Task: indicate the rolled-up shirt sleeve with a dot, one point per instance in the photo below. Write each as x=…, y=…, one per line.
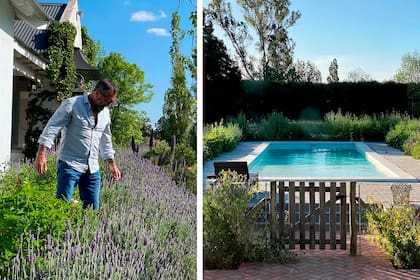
x=105, y=145
x=59, y=119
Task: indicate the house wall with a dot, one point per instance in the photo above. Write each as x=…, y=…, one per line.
x=6, y=79
x=71, y=14
x=20, y=104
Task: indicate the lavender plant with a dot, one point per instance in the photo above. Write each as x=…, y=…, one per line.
x=145, y=229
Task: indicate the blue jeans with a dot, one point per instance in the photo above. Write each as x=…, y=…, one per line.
x=89, y=185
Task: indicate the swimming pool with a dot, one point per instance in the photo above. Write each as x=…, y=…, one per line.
x=340, y=160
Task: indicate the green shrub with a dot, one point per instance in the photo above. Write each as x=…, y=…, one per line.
x=28, y=205
x=218, y=138
x=185, y=155
x=412, y=145
x=397, y=136
x=160, y=153
x=399, y=234
x=224, y=225
x=229, y=236
x=242, y=123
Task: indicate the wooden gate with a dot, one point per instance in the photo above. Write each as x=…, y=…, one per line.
x=312, y=213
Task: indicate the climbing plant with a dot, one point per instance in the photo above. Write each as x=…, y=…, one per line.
x=37, y=116
x=61, y=72
x=91, y=49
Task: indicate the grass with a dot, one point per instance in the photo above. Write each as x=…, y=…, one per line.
x=317, y=129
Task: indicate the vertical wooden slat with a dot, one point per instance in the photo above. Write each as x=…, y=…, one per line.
x=322, y=215
x=353, y=227
x=302, y=214
x=312, y=215
x=343, y=216
x=292, y=214
x=281, y=208
x=332, y=216
x=273, y=210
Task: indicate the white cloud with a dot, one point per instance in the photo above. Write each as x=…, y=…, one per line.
x=143, y=16
x=158, y=32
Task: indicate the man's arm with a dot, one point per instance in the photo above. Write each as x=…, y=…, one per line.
x=107, y=152
x=58, y=120
x=40, y=162
x=113, y=168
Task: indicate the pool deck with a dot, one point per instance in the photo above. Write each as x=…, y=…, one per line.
x=378, y=191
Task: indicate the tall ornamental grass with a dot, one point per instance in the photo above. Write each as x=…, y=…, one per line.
x=349, y=127
x=274, y=126
x=145, y=229
x=277, y=127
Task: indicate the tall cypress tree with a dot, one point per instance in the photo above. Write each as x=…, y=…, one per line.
x=177, y=108
x=333, y=77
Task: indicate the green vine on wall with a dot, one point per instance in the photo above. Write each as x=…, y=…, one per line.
x=36, y=114
x=61, y=72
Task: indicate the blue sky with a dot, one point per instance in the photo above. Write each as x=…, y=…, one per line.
x=139, y=30
x=371, y=35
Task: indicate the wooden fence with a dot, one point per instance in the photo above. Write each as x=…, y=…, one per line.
x=303, y=215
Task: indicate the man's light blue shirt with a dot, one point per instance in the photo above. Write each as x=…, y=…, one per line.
x=81, y=140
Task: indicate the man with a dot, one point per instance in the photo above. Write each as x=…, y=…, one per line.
x=84, y=123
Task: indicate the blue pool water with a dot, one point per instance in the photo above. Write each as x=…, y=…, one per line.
x=314, y=160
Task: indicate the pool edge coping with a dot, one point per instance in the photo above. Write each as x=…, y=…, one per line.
x=257, y=147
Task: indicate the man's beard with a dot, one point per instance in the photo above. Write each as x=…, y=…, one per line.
x=99, y=108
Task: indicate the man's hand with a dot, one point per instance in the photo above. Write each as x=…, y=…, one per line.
x=115, y=172
x=40, y=162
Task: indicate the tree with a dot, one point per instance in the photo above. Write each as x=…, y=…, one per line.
x=270, y=20
x=410, y=68
x=222, y=78
x=132, y=89
x=306, y=72
x=358, y=75
x=333, y=77
x=177, y=109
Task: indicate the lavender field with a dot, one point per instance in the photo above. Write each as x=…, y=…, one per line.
x=145, y=229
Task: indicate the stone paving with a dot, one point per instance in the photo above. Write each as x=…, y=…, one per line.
x=370, y=263
x=369, y=191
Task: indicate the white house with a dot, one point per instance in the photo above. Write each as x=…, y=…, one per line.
x=23, y=31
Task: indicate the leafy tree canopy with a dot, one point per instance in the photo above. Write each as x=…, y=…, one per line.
x=262, y=30
x=132, y=89
x=222, y=79
x=410, y=68
x=306, y=72
x=358, y=75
